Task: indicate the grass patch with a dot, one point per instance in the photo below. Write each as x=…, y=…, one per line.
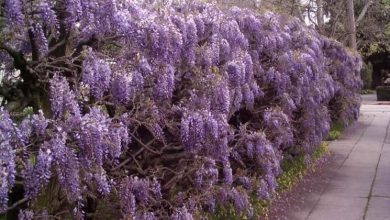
x=260, y=208
x=335, y=131
x=295, y=169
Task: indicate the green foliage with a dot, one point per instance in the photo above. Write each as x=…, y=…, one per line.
x=373, y=31
x=366, y=75
x=260, y=208
x=226, y=212
x=25, y=113
x=320, y=152
x=387, y=29
x=293, y=170
x=386, y=3
x=335, y=131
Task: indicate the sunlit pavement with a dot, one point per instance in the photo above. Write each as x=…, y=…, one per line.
x=357, y=185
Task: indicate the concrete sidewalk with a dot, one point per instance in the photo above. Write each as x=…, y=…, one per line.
x=357, y=185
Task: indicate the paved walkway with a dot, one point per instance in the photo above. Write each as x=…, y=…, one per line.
x=357, y=183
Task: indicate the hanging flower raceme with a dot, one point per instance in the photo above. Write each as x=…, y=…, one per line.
x=96, y=73
x=14, y=13
x=7, y=157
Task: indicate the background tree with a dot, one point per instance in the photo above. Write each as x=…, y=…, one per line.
x=350, y=24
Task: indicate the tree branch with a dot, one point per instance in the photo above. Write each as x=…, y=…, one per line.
x=16, y=204
x=363, y=12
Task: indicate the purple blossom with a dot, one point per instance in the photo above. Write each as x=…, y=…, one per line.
x=262, y=190
x=240, y=200
x=39, y=123
x=238, y=98
x=231, y=32
x=271, y=181
x=165, y=84
x=121, y=21
x=94, y=128
x=200, y=26
x=157, y=131
x=40, y=40
x=228, y=174
x=250, y=149
x=121, y=89
x=192, y=131
x=211, y=127
x=47, y=15
x=26, y=215
x=137, y=81
x=144, y=67
x=248, y=96
x=67, y=166
x=24, y=130
x=207, y=175
x=127, y=197
x=225, y=50
x=181, y=214
x=96, y=73
x=156, y=188
x=37, y=176
x=210, y=55
x=7, y=157
x=74, y=9
x=119, y=139
x=102, y=182
x=14, y=14
x=145, y=216
x=221, y=98
x=235, y=72
x=62, y=98
x=246, y=183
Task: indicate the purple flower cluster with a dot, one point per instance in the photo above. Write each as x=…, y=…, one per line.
x=7, y=157
x=37, y=175
x=14, y=13
x=96, y=74
x=62, y=98
x=136, y=192
x=40, y=40
x=39, y=123
x=47, y=15
x=74, y=9
x=211, y=100
x=67, y=167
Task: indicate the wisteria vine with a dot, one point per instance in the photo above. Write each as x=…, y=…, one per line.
x=168, y=112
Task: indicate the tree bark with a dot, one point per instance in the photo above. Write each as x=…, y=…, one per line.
x=350, y=26
x=320, y=16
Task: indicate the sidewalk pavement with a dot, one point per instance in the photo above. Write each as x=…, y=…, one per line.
x=357, y=185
